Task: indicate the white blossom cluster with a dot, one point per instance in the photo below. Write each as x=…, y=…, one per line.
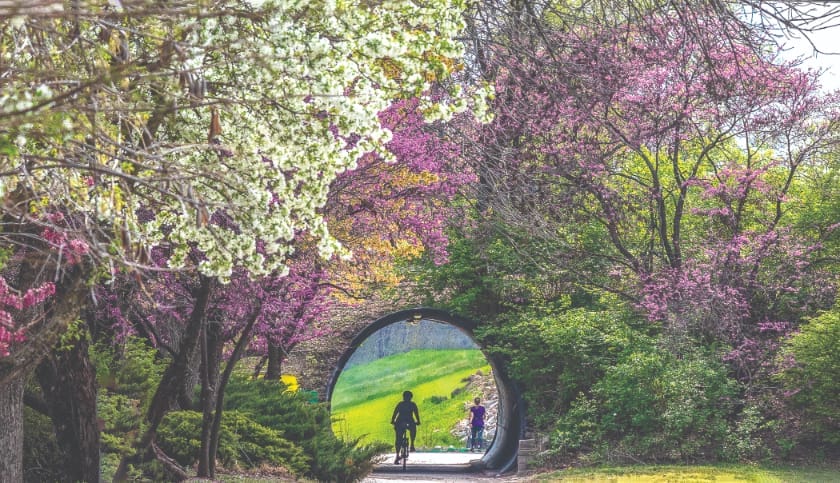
x=297, y=86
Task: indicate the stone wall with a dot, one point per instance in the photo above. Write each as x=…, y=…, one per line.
x=313, y=362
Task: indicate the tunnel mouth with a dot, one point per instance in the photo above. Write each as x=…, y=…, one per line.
x=510, y=424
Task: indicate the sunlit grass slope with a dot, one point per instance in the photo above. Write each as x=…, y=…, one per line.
x=723, y=473
x=364, y=396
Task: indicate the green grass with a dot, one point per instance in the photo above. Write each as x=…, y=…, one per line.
x=364, y=396
x=719, y=474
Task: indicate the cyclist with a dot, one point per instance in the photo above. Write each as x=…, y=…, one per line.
x=406, y=415
x=476, y=424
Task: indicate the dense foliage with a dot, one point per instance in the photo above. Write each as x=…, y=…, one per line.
x=644, y=217
x=243, y=443
x=809, y=368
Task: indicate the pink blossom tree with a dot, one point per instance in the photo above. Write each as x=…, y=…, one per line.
x=658, y=159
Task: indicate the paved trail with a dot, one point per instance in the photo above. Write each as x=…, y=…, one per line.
x=439, y=478
x=436, y=477
x=437, y=468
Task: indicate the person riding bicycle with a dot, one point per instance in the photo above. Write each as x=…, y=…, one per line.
x=406, y=415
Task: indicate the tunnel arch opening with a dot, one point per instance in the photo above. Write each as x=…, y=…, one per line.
x=501, y=456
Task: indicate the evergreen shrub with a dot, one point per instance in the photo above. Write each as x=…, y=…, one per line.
x=308, y=425
x=127, y=376
x=42, y=458
x=242, y=442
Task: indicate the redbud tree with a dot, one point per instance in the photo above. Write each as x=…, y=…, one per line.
x=662, y=160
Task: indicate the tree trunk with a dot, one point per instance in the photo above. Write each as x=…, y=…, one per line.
x=186, y=396
x=275, y=359
x=68, y=380
x=258, y=367
x=238, y=350
x=167, y=391
x=16, y=368
x=11, y=436
x=211, y=356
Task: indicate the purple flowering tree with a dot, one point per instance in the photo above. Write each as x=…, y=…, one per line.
x=660, y=160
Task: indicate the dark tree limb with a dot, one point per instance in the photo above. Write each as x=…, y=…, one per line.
x=170, y=465
x=167, y=392
x=241, y=345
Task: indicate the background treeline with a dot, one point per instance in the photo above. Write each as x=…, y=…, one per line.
x=406, y=336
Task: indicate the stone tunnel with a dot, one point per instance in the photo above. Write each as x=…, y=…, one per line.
x=322, y=366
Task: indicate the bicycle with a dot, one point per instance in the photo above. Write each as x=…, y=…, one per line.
x=402, y=450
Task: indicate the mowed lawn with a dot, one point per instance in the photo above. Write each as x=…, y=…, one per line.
x=364, y=396
x=722, y=474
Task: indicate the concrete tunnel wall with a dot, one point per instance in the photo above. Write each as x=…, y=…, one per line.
x=502, y=454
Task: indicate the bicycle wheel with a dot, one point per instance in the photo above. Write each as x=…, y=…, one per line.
x=404, y=449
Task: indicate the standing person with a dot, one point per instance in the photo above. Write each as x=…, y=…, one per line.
x=407, y=415
x=476, y=424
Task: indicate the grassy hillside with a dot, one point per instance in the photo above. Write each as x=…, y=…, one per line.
x=364, y=396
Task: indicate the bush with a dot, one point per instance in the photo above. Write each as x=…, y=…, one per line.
x=305, y=423
x=335, y=460
x=745, y=441
x=812, y=361
x=42, y=458
x=652, y=406
x=242, y=442
x=561, y=353
x=127, y=377
x=133, y=369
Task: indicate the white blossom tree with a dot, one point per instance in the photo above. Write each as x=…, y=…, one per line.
x=212, y=127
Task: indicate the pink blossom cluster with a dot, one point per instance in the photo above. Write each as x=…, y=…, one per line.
x=72, y=249
x=292, y=308
x=9, y=332
x=755, y=351
x=7, y=338
x=694, y=297
x=288, y=309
